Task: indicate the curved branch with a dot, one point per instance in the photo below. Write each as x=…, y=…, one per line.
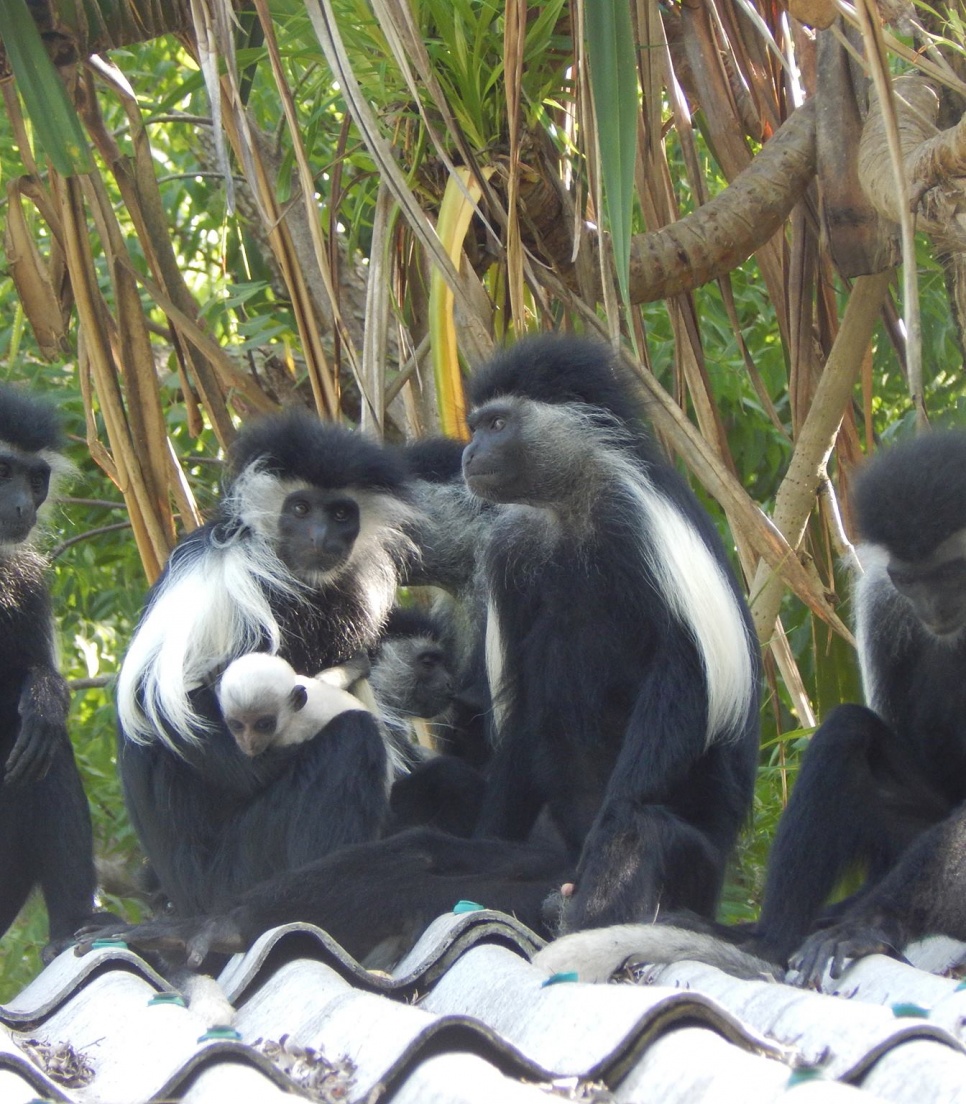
x=934, y=163
x=716, y=238
x=703, y=246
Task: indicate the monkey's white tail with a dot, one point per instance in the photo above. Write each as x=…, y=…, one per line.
x=596, y=954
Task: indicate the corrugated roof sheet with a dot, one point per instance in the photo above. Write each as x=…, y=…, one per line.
x=466, y=1018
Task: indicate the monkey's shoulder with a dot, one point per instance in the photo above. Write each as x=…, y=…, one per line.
x=23, y=582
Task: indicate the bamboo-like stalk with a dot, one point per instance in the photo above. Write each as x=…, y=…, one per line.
x=799, y=489
x=149, y=530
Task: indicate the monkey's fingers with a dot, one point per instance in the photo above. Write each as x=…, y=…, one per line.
x=31, y=756
x=216, y=935
x=835, y=946
x=187, y=942
x=153, y=935
x=97, y=922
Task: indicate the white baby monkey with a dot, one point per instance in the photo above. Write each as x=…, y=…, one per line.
x=265, y=704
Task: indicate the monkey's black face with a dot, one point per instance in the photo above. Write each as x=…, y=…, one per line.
x=24, y=482
x=935, y=586
x=432, y=682
x=496, y=462
x=316, y=530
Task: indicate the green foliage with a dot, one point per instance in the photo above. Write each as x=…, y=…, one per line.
x=58, y=131
x=98, y=586
x=613, y=76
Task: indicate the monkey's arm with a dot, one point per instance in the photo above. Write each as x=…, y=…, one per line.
x=214, y=758
x=924, y=894
x=342, y=677
x=44, y=697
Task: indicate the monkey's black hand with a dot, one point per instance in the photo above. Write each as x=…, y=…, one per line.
x=97, y=921
x=44, y=702
x=845, y=940
x=183, y=942
x=33, y=751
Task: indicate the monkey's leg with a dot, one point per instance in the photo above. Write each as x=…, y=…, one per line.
x=368, y=896
x=924, y=893
x=17, y=871
x=639, y=862
x=64, y=846
x=858, y=802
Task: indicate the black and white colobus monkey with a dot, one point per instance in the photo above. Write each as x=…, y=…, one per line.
x=414, y=677
x=882, y=786
x=45, y=827
x=302, y=561
x=622, y=662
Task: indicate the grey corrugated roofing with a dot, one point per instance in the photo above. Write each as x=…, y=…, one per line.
x=466, y=1018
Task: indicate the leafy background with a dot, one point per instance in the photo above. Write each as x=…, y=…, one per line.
x=509, y=98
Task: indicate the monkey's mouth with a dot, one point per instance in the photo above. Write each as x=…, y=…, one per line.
x=315, y=569
x=487, y=485
x=17, y=530
x=252, y=749
x=948, y=629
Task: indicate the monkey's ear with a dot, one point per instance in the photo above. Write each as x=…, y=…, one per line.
x=298, y=698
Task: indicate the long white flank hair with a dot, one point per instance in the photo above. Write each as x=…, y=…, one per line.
x=698, y=593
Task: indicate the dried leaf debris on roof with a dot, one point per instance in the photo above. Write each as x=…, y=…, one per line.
x=465, y=1019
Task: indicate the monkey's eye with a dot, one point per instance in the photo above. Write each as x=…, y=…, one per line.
x=300, y=507
x=341, y=512
x=498, y=424
x=265, y=724
x=39, y=481
x=234, y=726
x=429, y=661
x=6, y=469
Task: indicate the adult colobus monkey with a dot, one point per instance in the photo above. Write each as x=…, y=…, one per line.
x=45, y=827
x=622, y=662
x=301, y=561
x=882, y=787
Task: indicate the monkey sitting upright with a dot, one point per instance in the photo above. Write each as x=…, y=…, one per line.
x=301, y=560
x=45, y=825
x=882, y=786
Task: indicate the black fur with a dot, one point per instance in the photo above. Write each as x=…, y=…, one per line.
x=881, y=786
x=413, y=675
x=604, y=698
x=556, y=369
x=30, y=425
x=610, y=719
x=212, y=821
x=435, y=459
x=45, y=827
x=374, y=899
x=454, y=530
x=914, y=495
x=290, y=445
